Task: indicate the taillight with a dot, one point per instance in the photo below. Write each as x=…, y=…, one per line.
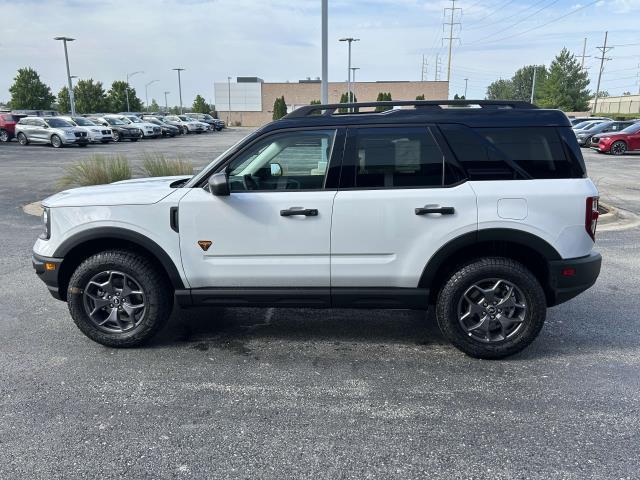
x=591, y=217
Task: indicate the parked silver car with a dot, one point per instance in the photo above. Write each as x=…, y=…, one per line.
x=96, y=133
x=51, y=130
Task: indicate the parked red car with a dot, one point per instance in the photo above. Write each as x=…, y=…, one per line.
x=619, y=143
x=8, y=126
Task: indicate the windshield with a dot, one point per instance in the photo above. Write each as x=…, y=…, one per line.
x=134, y=120
x=581, y=125
x=57, y=123
x=635, y=128
x=208, y=117
x=83, y=122
x=196, y=178
x=114, y=121
x=184, y=118
x=592, y=125
x=152, y=120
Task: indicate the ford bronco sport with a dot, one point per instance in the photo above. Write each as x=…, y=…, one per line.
x=483, y=211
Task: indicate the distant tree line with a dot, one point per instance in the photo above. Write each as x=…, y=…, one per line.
x=563, y=85
x=29, y=92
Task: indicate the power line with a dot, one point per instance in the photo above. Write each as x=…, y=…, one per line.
x=544, y=24
x=520, y=12
x=604, y=49
x=492, y=12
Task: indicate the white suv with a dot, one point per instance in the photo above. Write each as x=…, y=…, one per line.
x=484, y=213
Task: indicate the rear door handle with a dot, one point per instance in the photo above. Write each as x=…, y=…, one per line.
x=441, y=210
x=307, y=212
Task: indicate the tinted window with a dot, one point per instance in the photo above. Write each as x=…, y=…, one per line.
x=500, y=153
x=632, y=129
x=286, y=161
x=396, y=157
x=58, y=123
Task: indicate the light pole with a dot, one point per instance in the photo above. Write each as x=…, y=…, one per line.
x=466, y=81
x=533, y=83
x=324, y=87
x=66, y=58
x=146, y=93
x=129, y=75
x=350, y=40
x=229, y=96
x=166, y=104
x=179, y=69
x=353, y=76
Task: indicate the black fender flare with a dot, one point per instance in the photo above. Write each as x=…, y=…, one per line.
x=519, y=237
x=105, y=233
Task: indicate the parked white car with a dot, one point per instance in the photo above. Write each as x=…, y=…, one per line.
x=95, y=133
x=149, y=130
x=187, y=125
x=205, y=126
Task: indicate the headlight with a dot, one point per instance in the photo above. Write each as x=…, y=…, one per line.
x=46, y=224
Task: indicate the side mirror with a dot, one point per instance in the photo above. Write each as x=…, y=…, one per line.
x=45, y=126
x=276, y=169
x=219, y=184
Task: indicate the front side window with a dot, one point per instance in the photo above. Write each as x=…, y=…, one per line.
x=397, y=157
x=635, y=128
x=285, y=161
x=58, y=123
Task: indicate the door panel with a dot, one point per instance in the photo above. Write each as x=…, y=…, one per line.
x=377, y=240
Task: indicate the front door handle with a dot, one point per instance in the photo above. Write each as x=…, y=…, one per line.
x=435, y=209
x=307, y=212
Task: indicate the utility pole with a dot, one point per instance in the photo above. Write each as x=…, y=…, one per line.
x=129, y=75
x=584, y=50
x=353, y=76
x=146, y=93
x=66, y=58
x=324, y=86
x=166, y=104
x=423, y=70
x=451, y=38
x=438, y=67
x=533, y=83
x=229, y=94
x=466, y=81
x=179, y=69
x=604, y=49
x=349, y=40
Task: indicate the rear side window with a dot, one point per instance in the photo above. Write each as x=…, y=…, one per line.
x=396, y=157
x=511, y=153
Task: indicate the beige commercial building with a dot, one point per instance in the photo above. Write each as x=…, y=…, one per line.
x=625, y=104
x=252, y=100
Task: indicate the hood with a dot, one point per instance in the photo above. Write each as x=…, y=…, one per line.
x=139, y=191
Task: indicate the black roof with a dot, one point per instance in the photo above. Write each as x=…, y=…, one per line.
x=473, y=113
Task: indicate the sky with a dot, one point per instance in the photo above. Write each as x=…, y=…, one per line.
x=279, y=41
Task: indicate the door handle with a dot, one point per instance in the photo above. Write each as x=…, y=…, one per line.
x=435, y=209
x=307, y=212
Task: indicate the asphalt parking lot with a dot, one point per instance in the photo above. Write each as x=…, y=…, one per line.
x=300, y=393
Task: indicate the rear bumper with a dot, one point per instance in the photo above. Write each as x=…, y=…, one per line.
x=48, y=275
x=568, y=278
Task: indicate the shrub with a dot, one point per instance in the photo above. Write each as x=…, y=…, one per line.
x=155, y=164
x=98, y=169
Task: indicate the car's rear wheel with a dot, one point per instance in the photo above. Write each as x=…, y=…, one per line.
x=119, y=299
x=491, y=308
x=55, y=141
x=185, y=130
x=4, y=136
x=22, y=139
x=116, y=136
x=619, y=148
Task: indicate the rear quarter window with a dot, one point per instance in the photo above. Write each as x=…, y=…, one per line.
x=502, y=153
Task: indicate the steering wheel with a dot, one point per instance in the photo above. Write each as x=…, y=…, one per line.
x=249, y=182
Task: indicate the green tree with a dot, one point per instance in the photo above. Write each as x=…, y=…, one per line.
x=383, y=97
x=153, y=106
x=604, y=94
x=420, y=97
x=314, y=102
x=200, y=105
x=522, y=82
x=29, y=92
x=566, y=84
x=279, y=108
x=117, y=98
x=500, y=90
x=89, y=96
x=344, y=98
x=63, y=102
x=458, y=97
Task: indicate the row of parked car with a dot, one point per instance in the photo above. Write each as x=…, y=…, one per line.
x=61, y=130
x=605, y=135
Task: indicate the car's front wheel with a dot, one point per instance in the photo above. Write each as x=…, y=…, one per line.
x=22, y=139
x=55, y=141
x=116, y=136
x=491, y=308
x=4, y=136
x=119, y=299
x=619, y=148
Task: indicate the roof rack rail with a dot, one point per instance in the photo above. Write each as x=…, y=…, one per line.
x=330, y=109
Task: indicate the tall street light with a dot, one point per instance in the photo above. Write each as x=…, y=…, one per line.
x=129, y=75
x=179, y=86
x=166, y=104
x=146, y=93
x=353, y=76
x=229, y=94
x=66, y=58
x=324, y=86
x=350, y=40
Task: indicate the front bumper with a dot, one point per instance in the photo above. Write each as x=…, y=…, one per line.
x=48, y=270
x=568, y=278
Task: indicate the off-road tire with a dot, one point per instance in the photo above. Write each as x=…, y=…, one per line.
x=449, y=297
x=157, y=289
